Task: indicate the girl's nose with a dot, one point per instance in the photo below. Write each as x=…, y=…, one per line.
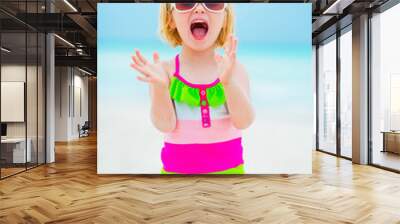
x=199, y=8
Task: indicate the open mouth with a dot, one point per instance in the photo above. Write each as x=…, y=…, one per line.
x=199, y=29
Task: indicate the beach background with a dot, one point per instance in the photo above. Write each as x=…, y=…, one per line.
x=275, y=47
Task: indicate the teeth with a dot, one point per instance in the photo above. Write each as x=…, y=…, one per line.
x=198, y=21
x=199, y=24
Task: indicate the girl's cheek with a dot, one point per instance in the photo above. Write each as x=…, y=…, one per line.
x=179, y=19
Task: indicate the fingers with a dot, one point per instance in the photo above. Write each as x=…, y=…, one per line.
x=143, y=79
x=140, y=69
x=230, y=46
x=136, y=60
x=229, y=52
x=156, y=57
x=138, y=63
x=232, y=53
x=140, y=57
x=134, y=66
x=234, y=45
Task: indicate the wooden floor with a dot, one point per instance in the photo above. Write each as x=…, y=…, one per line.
x=9, y=171
x=5, y=172
x=70, y=191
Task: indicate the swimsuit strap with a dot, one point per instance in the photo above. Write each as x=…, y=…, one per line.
x=177, y=65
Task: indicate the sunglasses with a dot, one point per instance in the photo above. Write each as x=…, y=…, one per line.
x=187, y=7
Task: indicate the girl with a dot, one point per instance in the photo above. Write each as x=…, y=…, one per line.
x=199, y=99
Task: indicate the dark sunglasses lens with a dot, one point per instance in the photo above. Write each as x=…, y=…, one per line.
x=215, y=6
x=184, y=6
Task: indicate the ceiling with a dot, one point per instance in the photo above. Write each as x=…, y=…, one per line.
x=75, y=21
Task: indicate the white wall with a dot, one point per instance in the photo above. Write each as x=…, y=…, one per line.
x=70, y=83
x=62, y=82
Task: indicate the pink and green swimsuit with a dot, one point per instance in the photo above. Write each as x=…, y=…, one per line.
x=204, y=140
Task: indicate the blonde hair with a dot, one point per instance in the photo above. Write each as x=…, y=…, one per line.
x=171, y=35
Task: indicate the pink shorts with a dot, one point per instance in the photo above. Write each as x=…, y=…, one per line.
x=202, y=158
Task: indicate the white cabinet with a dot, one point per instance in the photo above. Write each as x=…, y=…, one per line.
x=18, y=149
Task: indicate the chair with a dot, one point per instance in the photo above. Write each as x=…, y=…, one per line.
x=84, y=130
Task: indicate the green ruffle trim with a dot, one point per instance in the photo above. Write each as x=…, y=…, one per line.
x=235, y=170
x=180, y=92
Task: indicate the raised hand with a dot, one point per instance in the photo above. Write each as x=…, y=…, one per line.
x=152, y=73
x=227, y=62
